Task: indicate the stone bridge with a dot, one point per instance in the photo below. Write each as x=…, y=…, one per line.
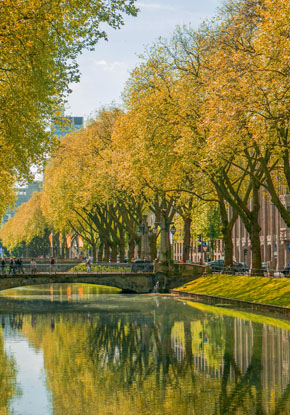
x=129, y=282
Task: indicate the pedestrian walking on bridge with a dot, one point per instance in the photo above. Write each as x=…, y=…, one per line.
x=88, y=264
x=19, y=266
x=52, y=265
x=33, y=268
x=3, y=266
x=12, y=266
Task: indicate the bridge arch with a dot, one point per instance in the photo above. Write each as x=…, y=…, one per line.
x=127, y=282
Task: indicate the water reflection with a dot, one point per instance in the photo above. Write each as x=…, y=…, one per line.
x=8, y=388
x=59, y=292
x=154, y=355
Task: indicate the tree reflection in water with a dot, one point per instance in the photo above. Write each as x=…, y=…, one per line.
x=165, y=359
x=8, y=387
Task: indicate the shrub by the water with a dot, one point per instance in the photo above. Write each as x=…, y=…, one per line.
x=99, y=268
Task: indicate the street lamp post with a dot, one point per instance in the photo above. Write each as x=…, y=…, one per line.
x=287, y=201
x=212, y=234
x=164, y=249
x=172, y=231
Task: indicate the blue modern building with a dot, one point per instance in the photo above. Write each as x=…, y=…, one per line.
x=61, y=126
x=23, y=195
x=65, y=124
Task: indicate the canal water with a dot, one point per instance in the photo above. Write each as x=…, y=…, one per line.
x=84, y=350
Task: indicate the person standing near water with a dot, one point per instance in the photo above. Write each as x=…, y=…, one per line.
x=12, y=266
x=20, y=266
x=33, y=266
x=52, y=263
x=88, y=264
x=3, y=266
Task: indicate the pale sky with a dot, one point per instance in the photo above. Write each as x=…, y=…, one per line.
x=105, y=70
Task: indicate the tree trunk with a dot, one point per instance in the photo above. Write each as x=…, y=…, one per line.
x=131, y=250
x=254, y=234
x=226, y=228
x=256, y=250
x=114, y=253
x=62, y=247
x=122, y=249
x=100, y=252
x=228, y=246
x=107, y=252
x=170, y=247
x=186, y=238
x=94, y=248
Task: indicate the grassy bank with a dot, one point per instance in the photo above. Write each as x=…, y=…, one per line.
x=255, y=289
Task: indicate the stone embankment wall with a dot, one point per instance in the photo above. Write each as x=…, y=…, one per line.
x=233, y=302
x=177, y=275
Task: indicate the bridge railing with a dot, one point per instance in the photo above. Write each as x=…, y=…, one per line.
x=64, y=267
x=262, y=272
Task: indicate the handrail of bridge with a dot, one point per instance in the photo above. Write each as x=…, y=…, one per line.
x=27, y=268
x=270, y=272
x=64, y=267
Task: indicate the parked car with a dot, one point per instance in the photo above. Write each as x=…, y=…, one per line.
x=265, y=268
x=219, y=265
x=286, y=270
x=241, y=267
x=142, y=265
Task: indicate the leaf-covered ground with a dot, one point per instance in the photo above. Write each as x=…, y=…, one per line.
x=255, y=289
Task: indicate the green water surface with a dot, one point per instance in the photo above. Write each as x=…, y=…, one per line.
x=86, y=350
